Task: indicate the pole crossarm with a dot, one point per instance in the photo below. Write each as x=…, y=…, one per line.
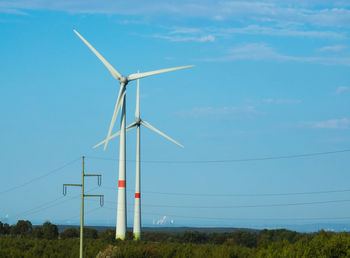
x=65, y=187
x=96, y=195
x=99, y=178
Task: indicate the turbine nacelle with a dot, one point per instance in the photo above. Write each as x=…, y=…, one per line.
x=138, y=121
x=123, y=80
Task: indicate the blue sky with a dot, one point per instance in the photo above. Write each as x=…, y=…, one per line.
x=270, y=79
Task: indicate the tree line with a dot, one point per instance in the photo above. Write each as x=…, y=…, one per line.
x=25, y=240
x=47, y=230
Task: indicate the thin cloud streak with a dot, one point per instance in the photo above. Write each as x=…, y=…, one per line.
x=335, y=48
x=342, y=123
x=261, y=11
x=282, y=32
x=282, y=101
x=12, y=11
x=205, y=38
x=341, y=90
x=229, y=112
x=255, y=29
x=262, y=52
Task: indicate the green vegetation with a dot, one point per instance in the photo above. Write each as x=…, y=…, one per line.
x=24, y=240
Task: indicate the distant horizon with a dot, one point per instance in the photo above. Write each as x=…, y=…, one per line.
x=308, y=227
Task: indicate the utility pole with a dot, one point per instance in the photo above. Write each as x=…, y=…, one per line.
x=83, y=195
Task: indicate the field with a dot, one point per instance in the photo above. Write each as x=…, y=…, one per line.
x=22, y=240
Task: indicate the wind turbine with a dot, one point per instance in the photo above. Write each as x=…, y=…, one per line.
x=138, y=122
x=123, y=80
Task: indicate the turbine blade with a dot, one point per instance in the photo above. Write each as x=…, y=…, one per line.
x=119, y=102
x=161, y=133
x=131, y=126
x=116, y=134
x=136, y=76
x=113, y=136
x=113, y=71
x=137, y=110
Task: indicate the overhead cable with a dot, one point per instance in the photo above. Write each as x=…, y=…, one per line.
x=229, y=160
x=238, y=195
x=234, y=219
x=39, y=177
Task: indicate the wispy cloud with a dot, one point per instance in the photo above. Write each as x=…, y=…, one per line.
x=276, y=11
x=263, y=52
x=184, y=34
x=335, y=48
x=132, y=22
x=341, y=89
x=179, y=38
x=329, y=124
x=316, y=13
x=255, y=51
x=281, y=31
x=220, y=112
x=185, y=30
x=222, y=32
x=12, y=11
x=251, y=51
x=282, y=101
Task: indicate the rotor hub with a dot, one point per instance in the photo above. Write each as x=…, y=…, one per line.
x=124, y=80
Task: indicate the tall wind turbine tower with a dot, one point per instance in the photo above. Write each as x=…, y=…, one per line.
x=138, y=122
x=123, y=80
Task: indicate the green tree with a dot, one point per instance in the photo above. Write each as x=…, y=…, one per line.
x=246, y=238
x=69, y=233
x=4, y=228
x=22, y=228
x=109, y=235
x=37, y=232
x=193, y=237
x=50, y=231
x=90, y=233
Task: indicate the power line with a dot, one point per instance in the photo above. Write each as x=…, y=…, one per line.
x=47, y=205
x=254, y=206
x=217, y=218
x=230, y=219
x=87, y=212
x=254, y=219
x=230, y=160
x=39, y=207
x=179, y=162
x=239, y=195
x=39, y=177
x=244, y=206
x=234, y=219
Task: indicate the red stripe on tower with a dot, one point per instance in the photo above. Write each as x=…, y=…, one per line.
x=137, y=195
x=122, y=183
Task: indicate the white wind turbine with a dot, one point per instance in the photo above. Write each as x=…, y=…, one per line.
x=123, y=80
x=138, y=122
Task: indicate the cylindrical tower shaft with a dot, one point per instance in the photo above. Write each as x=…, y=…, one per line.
x=137, y=209
x=121, y=207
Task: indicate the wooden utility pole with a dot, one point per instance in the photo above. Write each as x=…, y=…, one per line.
x=83, y=195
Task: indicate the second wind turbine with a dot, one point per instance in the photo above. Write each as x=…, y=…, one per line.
x=123, y=80
x=138, y=122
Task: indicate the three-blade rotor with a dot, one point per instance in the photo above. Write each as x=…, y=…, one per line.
x=140, y=122
x=123, y=80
